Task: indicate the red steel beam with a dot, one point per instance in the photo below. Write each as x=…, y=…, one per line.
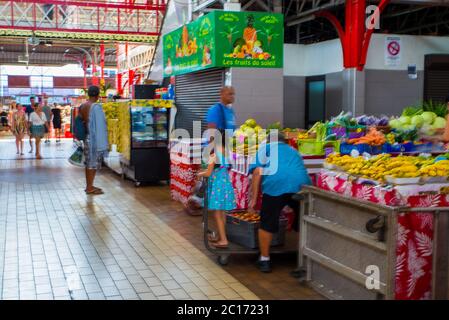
x=355, y=37
x=367, y=39
x=97, y=4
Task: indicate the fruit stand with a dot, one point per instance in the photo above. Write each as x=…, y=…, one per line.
x=402, y=184
x=138, y=130
x=373, y=244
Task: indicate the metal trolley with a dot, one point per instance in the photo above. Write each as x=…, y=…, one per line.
x=340, y=236
x=233, y=248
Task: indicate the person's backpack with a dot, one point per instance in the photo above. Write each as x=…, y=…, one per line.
x=79, y=128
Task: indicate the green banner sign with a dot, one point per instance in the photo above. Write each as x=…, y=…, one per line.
x=225, y=39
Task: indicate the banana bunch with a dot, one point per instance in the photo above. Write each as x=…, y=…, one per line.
x=437, y=169
x=155, y=103
x=124, y=125
x=381, y=166
x=390, y=138
x=110, y=110
x=406, y=171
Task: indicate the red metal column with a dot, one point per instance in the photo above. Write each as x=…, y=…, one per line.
x=94, y=69
x=130, y=81
x=85, y=72
x=355, y=37
x=102, y=60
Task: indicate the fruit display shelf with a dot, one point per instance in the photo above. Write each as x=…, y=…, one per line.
x=415, y=237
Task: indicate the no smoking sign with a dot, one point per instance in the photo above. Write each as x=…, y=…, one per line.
x=392, y=51
x=394, y=48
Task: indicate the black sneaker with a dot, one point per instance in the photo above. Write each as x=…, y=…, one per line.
x=264, y=266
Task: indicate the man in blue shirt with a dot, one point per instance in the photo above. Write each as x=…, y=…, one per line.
x=221, y=115
x=280, y=170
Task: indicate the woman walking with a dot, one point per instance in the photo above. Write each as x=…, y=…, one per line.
x=38, y=123
x=19, y=127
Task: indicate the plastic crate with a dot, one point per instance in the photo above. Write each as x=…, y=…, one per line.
x=356, y=132
x=346, y=148
x=245, y=233
x=376, y=149
x=311, y=147
x=331, y=147
x=423, y=147
x=339, y=131
x=399, y=147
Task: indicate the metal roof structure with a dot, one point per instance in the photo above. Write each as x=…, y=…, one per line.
x=417, y=17
x=46, y=53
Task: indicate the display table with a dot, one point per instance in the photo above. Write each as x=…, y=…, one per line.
x=185, y=159
x=415, y=236
x=242, y=182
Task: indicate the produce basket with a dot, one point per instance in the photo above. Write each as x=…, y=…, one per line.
x=356, y=132
x=346, y=148
x=423, y=147
x=316, y=148
x=376, y=149
x=245, y=233
x=331, y=147
x=438, y=179
x=339, y=131
x=311, y=147
x=391, y=148
x=384, y=129
x=293, y=134
x=402, y=181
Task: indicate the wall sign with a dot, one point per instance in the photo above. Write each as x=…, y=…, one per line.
x=393, y=51
x=225, y=39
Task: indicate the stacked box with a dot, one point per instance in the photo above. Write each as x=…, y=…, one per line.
x=245, y=233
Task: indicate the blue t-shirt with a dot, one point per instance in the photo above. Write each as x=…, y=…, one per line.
x=283, y=169
x=215, y=115
x=29, y=109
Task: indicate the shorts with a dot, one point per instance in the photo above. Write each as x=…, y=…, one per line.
x=56, y=124
x=91, y=163
x=37, y=131
x=271, y=211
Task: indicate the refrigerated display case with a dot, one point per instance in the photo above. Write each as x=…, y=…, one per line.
x=149, y=159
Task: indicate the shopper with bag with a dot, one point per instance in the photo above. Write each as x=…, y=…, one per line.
x=38, y=123
x=96, y=137
x=220, y=192
x=280, y=171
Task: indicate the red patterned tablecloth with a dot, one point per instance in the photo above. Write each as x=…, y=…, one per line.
x=415, y=232
x=182, y=180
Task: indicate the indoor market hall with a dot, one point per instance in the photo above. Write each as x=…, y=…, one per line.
x=128, y=243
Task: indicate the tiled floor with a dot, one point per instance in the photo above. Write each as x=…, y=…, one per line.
x=131, y=243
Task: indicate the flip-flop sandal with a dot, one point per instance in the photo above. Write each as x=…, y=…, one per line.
x=95, y=191
x=221, y=246
x=95, y=188
x=212, y=239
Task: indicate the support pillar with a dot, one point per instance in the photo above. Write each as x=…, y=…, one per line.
x=353, y=91
x=102, y=61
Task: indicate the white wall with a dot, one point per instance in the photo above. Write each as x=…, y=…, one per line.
x=259, y=95
x=327, y=57
x=413, y=49
x=313, y=59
